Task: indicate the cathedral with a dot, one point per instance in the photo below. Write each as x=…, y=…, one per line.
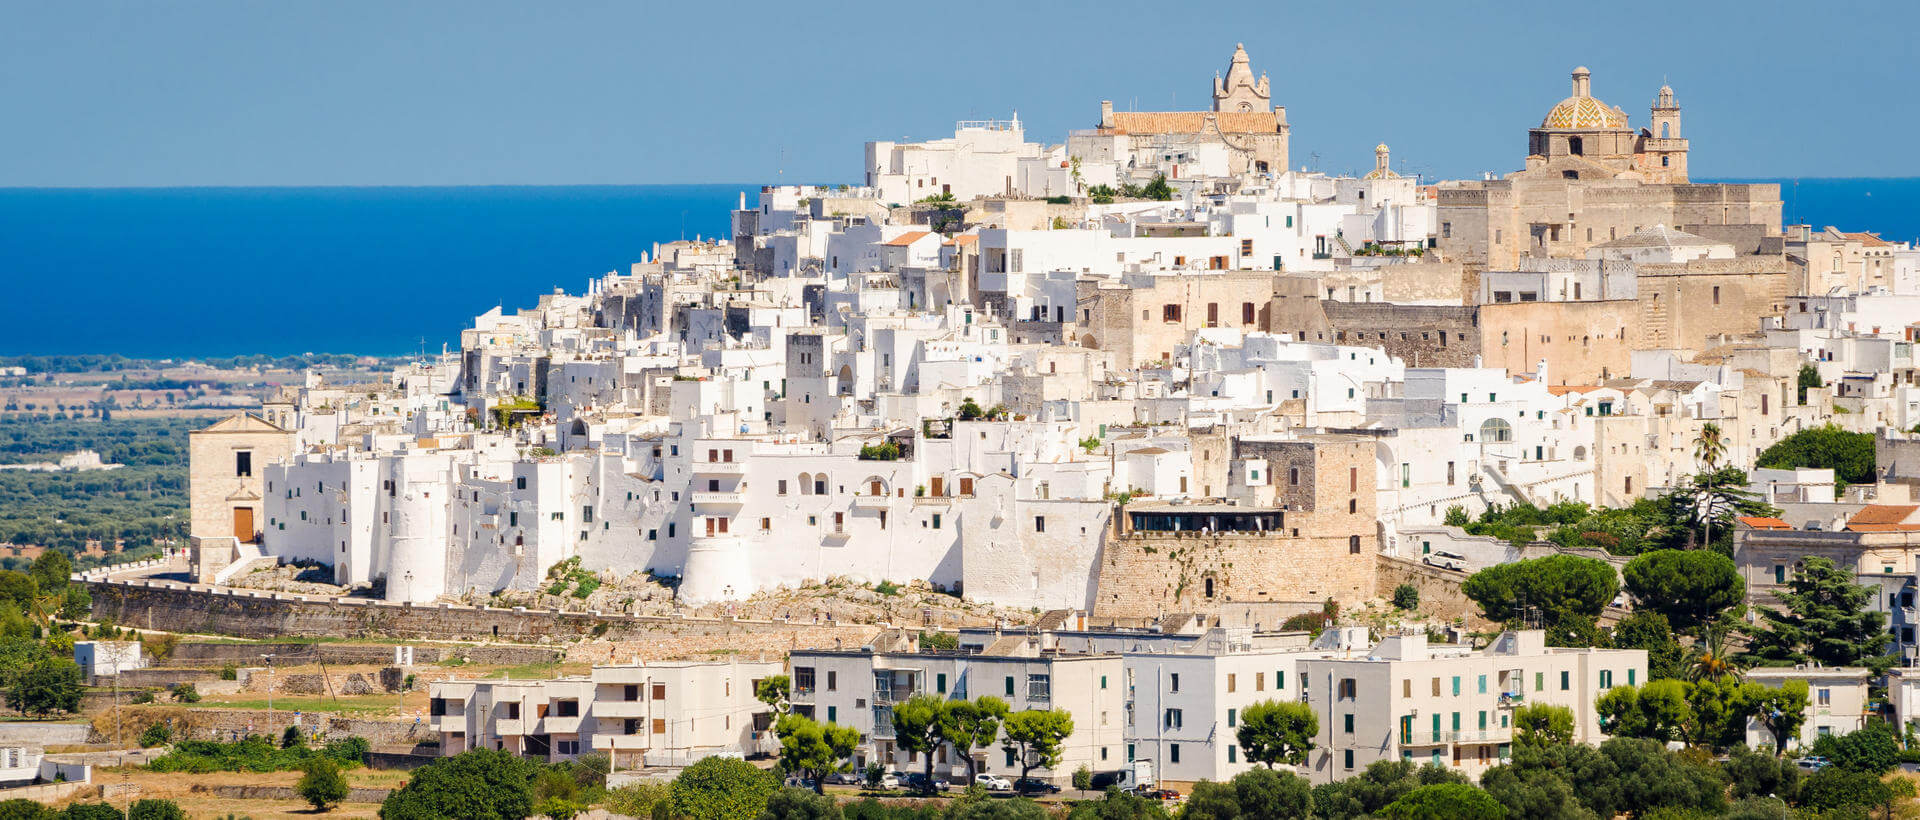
x=1243, y=122
x=1584, y=138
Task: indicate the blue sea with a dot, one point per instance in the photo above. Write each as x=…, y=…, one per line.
x=182, y=272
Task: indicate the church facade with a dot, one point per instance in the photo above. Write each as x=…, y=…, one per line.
x=1243, y=128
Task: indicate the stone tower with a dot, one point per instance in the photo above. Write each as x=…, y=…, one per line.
x=1239, y=91
x=1665, y=150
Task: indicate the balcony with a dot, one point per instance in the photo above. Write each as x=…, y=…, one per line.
x=620, y=708
x=556, y=725
x=717, y=498
x=508, y=727
x=870, y=502
x=719, y=468
x=620, y=743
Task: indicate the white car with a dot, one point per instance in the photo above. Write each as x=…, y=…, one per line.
x=994, y=782
x=890, y=780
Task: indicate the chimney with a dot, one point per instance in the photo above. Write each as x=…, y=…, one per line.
x=1106, y=113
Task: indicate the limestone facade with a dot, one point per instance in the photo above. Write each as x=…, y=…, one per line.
x=227, y=465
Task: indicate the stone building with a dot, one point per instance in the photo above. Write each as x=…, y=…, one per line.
x=1299, y=530
x=1149, y=318
x=1591, y=178
x=227, y=463
x=1243, y=121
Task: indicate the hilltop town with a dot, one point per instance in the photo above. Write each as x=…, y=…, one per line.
x=1063, y=423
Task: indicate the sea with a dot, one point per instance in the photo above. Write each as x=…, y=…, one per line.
x=202, y=272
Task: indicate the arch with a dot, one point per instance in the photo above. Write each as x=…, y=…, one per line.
x=806, y=484
x=1495, y=430
x=1087, y=342
x=876, y=486
x=1580, y=454
x=1666, y=129
x=1209, y=586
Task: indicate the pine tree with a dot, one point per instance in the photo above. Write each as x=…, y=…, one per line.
x=1827, y=619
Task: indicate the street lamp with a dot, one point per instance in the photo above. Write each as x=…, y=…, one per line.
x=269, y=657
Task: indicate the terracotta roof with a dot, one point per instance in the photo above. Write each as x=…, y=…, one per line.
x=1871, y=240
x=1883, y=518
x=966, y=239
x=907, y=238
x=1148, y=451
x=1764, y=523
x=1194, y=122
x=1563, y=389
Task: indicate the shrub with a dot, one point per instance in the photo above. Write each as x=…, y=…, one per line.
x=229, y=672
x=186, y=693
x=155, y=809
x=156, y=735
x=322, y=784
x=1406, y=596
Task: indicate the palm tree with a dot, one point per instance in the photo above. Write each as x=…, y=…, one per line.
x=1711, y=657
x=1709, y=447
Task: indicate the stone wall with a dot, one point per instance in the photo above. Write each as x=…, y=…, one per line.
x=1439, y=588
x=1146, y=575
x=1420, y=335
x=344, y=654
x=254, y=614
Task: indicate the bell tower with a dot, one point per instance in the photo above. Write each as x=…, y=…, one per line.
x=1239, y=91
x=1665, y=150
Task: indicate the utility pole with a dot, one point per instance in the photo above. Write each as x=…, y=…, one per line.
x=269, y=657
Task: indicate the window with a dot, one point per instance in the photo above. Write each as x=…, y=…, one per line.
x=520, y=482
x=1483, y=684
x=1353, y=545
x=1009, y=686
x=1039, y=523
x=660, y=689
x=1173, y=752
x=1347, y=758
x=1231, y=680
x=1039, y=687
x=940, y=683
x=833, y=714
x=1232, y=718
x=1826, y=697
x=1347, y=722
x=1232, y=757
x=1606, y=679
x=1259, y=681
x=1247, y=313
x=1456, y=686
x=1170, y=313
x=1566, y=681
x=243, y=463
x=1172, y=719
x=566, y=708
x=1173, y=682
x=781, y=487
x=803, y=679
x=1348, y=689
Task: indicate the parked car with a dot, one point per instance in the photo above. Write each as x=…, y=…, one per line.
x=917, y=781
x=844, y=779
x=798, y=782
x=1445, y=560
x=1814, y=763
x=1161, y=794
x=889, y=780
x=994, y=782
x=1034, y=785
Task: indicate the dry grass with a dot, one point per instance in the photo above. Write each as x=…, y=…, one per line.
x=194, y=792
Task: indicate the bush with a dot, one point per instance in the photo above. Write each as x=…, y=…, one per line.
x=483, y=784
x=186, y=693
x=156, y=735
x=88, y=811
x=254, y=754
x=229, y=672
x=1406, y=597
x=640, y=800
x=155, y=809
x=322, y=784
x=720, y=788
x=290, y=738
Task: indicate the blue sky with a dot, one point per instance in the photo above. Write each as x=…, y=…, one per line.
x=413, y=93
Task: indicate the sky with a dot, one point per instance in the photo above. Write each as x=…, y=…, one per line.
x=395, y=92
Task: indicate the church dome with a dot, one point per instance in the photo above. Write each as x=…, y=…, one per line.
x=1584, y=113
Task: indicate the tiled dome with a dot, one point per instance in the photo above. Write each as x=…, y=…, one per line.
x=1584, y=113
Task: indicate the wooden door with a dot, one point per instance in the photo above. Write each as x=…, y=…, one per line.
x=243, y=523
x=939, y=486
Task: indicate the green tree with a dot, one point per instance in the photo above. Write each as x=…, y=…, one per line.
x=1538, y=784
x=1274, y=732
x=722, y=788
x=152, y=808
x=1211, y=801
x=1648, y=630
x=290, y=738
x=52, y=571
x=1271, y=795
x=1758, y=775
x=1809, y=378
x=1406, y=597
x=1036, y=737
x=1690, y=587
x=1658, y=710
x=21, y=808
x=1720, y=708
x=1782, y=709
x=973, y=724
x=1158, y=189
x=321, y=785
x=1712, y=656
x=1844, y=791
x=1873, y=748
x=1376, y=787
x=1569, y=592
x=90, y=811
x=1445, y=801
x=916, y=728
x=813, y=749
x=1114, y=805
x=1541, y=724
x=773, y=690
x=1828, y=619
x=800, y=804
x=45, y=686
x=1849, y=455
x=482, y=784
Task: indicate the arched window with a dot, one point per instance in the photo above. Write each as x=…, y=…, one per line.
x=806, y=484
x=1579, y=454
x=1209, y=585
x=1665, y=129
x=1495, y=430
